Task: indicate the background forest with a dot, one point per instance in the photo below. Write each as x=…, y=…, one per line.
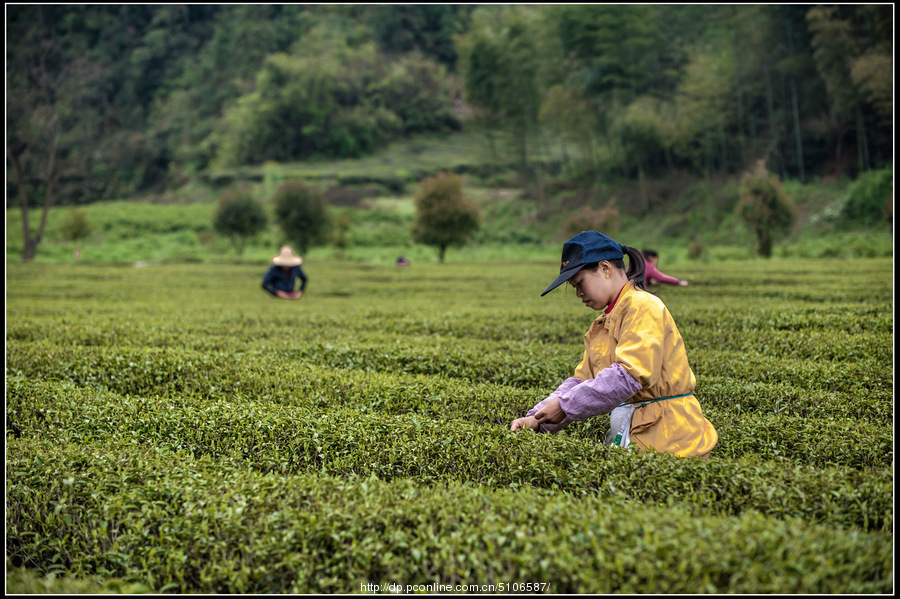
x=139, y=101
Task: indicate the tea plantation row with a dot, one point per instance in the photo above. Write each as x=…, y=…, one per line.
x=64, y=408
x=180, y=523
x=173, y=429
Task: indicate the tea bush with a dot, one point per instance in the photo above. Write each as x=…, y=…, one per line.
x=169, y=431
x=181, y=523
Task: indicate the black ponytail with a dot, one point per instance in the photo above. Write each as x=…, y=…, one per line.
x=636, y=268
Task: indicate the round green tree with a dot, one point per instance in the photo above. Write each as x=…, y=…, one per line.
x=239, y=217
x=765, y=207
x=75, y=226
x=444, y=217
x=302, y=214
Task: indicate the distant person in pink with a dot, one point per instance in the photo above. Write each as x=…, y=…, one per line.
x=653, y=276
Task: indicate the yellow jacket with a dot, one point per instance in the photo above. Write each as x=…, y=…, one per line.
x=640, y=335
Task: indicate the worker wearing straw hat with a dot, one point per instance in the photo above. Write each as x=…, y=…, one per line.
x=281, y=278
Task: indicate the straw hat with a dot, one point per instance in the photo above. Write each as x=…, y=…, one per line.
x=287, y=257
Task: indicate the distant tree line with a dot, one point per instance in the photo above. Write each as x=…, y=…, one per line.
x=114, y=100
x=710, y=88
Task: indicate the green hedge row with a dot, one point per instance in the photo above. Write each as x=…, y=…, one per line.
x=830, y=345
x=34, y=404
x=855, y=331
x=862, y=388
x=737, y=396
x=738, y=382
x=838, y=337
x=294, y=439
x=179, y=523
x=845, y=376
x=23, y=581
x=521, y=366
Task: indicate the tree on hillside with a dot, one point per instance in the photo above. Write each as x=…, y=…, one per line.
x=500, y=58
x=852, y=48
x=572, y=117
x=335, y=99
x=609, y=56
x=239, y=216
x=765, y=207
x=51, y=118
x=645, y=130
x=426, y=28
x=240, y=36
x=444, y=217
x=302, y=214
x=705, y=111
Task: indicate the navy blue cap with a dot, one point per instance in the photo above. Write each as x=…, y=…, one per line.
x=585, y=248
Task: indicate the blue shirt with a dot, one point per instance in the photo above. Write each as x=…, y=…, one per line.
x=279, y=278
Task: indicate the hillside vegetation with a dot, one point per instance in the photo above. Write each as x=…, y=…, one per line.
x=640, y=120
x=690, y=219
x=117, y=101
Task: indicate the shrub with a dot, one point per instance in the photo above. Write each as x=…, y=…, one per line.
x=341, y=234
x=695, y=250
x=75, y=226
x=870, y=199
x=239, y=216
x=302, y=214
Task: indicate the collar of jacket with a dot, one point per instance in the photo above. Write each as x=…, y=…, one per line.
x=606, y=318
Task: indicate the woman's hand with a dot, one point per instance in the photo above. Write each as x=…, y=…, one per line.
x=551, y=413
x=289, y=294
x=528, y=422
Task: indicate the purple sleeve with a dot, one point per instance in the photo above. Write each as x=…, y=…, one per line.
x=566, y=386
x=583, y=399
x=599, y=395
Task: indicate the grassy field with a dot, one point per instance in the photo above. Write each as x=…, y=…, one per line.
x=170, y=428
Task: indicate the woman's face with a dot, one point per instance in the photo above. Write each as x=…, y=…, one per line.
x=594, y=288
